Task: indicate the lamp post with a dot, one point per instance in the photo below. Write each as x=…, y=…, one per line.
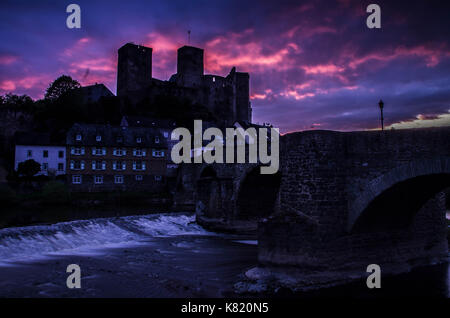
x=381, y=104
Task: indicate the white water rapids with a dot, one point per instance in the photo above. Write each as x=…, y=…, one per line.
x=88, y=236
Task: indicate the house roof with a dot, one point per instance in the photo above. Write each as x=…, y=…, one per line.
x=35, y=139
x=115, y=136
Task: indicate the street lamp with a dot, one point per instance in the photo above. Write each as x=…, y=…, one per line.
x=381, y=104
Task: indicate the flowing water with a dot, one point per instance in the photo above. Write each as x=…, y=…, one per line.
x=158, y=255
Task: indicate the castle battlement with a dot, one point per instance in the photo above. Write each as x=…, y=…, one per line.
x=227, y=97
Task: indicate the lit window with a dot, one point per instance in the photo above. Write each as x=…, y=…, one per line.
x=158, y=153
x=157, y=139
x=98, y=138
x=98, y=179
x=78, y=137
x=119, y=152
x=98, y=151
x=139, y=152
x=139, y=178
x=138, y=140
x=76, y=179
x=118, y=179
x=166, y=134
x=77, y=151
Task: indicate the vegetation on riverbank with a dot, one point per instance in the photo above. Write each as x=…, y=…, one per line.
x=54, y=203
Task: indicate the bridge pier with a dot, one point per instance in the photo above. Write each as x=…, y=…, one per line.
x=348, y=200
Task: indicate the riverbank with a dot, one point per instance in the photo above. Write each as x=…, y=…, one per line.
x=54, y=204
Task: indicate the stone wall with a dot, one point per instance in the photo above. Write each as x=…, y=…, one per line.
x=330, y=180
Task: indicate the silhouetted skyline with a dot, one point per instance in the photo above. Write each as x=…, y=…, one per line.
x=312, y=64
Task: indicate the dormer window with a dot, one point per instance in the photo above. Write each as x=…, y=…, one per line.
x=78, y=137
x=98, y=138
x=138, y=140
x=157, y=139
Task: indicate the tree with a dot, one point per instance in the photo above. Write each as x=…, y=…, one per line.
x=16, y=103
x=28, y=168
x=61, y=86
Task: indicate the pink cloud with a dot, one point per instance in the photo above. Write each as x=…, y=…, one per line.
x=7, y=59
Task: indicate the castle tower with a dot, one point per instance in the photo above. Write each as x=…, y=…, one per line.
x=243, y=108
x=189, y=66
x=134, y=69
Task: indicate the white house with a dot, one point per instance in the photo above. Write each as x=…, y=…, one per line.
x=38, y=147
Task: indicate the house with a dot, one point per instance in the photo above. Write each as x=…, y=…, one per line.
x=104, y=158
x=164, y=126
x=40, y=148
x=93, y=93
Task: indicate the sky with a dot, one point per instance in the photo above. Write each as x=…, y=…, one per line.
x=312, y=64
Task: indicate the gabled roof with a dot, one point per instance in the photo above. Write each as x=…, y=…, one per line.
x=115, y=136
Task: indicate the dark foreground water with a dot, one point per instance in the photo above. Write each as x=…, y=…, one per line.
x=157, y=256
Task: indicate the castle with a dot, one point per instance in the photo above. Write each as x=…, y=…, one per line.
x=225, y=97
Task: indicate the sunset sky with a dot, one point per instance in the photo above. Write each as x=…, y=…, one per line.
x=312, y=64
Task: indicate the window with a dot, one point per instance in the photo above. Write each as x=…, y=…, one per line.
x=60, y=167
x=98, y=179
x=29, y=153
x=138, y=165
x=118, y=179
x=158, y=178
x=98, y=165
x=138, y=140
x=139, y=177
x=76, y=179
x=119, y=139
x=119, y=165
x=98, y=138
x=157, y=139
x=166, y=134
x=44, y=166
x=119, y=152
x=77, y=165
x=61, y=154
x=139, y=152
x=45, y=153
x=77, y=151
x=78, y=138
x=158, y=153
x=98, y=151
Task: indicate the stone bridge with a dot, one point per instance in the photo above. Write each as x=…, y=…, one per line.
x=341, y=200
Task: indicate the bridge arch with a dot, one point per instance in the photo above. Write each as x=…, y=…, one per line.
x=207, y=193
x=416, y=182
x=256, y=194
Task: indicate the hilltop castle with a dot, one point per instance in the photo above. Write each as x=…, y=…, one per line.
x=225, y=97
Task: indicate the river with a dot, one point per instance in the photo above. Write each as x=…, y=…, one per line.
x=158, y=255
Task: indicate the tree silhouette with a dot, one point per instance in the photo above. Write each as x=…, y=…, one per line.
x=61, y=86
x=28, y=168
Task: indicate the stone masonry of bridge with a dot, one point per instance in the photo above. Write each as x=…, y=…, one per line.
x=344, y=200
x=347, y=200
